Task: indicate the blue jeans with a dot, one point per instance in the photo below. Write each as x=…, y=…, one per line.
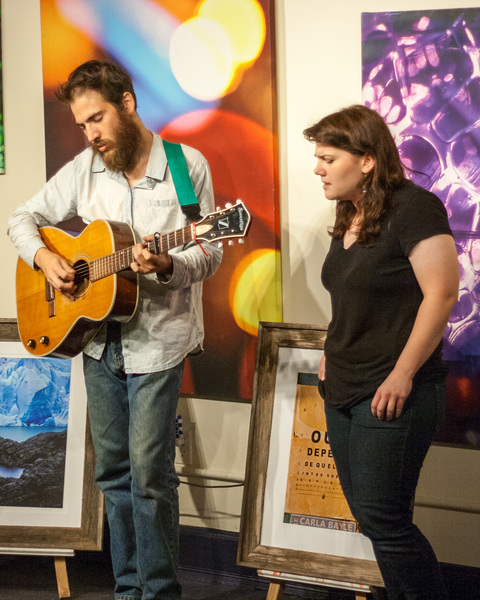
x=379, y=463
x=133, y=427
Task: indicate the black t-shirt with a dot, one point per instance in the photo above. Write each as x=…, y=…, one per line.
x=375, y=298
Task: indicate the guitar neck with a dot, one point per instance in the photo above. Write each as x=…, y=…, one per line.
x=232, y=222
x=122, y=259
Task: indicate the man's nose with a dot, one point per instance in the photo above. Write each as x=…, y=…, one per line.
x=92, y=133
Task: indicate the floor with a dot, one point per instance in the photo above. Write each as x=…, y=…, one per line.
x=89, y=574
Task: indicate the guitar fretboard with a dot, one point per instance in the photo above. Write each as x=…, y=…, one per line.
x=122, y=259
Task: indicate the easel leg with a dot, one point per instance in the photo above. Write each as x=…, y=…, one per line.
x=275, y=590
x=62, y=577
x=360, y=596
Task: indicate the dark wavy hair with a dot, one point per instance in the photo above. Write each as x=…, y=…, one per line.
x=360, y=130
x=107, y=78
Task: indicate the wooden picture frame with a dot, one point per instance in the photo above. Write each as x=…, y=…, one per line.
x=284, y=350
x=89, y=534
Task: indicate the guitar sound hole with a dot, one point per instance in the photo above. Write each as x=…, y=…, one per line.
x=82, y=277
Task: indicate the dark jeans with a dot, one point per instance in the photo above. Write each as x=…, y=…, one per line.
x=133, y=426
x=378, y=463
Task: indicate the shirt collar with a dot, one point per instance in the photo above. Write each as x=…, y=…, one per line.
x=97, y=165
x=157, y=162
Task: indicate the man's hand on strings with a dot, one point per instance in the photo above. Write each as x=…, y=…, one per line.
x=57, y=271
x=148, y=262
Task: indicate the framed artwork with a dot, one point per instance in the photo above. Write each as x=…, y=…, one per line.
x=204, y=75
x=421, y=73
x=294, y=516
x=48, y=495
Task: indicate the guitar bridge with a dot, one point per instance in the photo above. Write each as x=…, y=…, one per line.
x=50, y=298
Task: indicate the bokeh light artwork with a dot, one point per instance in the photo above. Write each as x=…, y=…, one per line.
x=204, y=75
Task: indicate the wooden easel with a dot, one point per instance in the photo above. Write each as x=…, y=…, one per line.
x=60, y=562
x=276, y=589
x=279, y=580
x=62, y=577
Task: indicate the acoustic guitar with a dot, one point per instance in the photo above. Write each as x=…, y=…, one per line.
x=107, y=289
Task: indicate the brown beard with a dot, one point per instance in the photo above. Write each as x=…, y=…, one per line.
x=124, y=155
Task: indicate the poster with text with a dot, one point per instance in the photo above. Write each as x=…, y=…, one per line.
x=314, y=496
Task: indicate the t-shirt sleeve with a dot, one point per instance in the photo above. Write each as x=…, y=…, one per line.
x=421, y=216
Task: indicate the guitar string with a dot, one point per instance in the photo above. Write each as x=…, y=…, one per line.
x=118, y=258
x=104, y=266
x=170, y=239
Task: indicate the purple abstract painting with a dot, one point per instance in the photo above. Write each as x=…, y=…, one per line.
x=421, y=72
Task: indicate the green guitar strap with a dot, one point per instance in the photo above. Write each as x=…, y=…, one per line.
x=181, y=179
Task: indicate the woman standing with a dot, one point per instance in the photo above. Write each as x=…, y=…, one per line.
x=392, y=274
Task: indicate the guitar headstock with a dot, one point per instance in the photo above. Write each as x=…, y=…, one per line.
x=231, y=222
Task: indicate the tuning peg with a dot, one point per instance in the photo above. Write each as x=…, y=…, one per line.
x=241, y=241
x=217, y=209
x=228, y=205
x=230, y=242
x=220, y=245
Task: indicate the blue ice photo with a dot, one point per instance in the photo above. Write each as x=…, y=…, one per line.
x=34, y=403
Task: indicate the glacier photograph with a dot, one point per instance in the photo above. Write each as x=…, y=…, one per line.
x=34, y=403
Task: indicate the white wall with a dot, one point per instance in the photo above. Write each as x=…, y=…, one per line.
x=319, y=70
x=23, y=121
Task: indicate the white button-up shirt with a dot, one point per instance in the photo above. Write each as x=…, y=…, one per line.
x=168, y=322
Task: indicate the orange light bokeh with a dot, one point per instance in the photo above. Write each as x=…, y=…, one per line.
x=64, y=46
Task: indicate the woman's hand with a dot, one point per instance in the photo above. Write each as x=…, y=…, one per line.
x=321, y=368
x=389, y=399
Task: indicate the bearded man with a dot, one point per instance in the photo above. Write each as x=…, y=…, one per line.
x=133, y=369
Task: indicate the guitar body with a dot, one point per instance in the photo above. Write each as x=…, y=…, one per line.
x=51, y=324
x=106, y=288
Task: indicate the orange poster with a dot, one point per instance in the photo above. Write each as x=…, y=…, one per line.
x=314, y=496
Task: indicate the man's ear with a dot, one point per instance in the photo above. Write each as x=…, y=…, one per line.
x=128, y=103
x=368, y=163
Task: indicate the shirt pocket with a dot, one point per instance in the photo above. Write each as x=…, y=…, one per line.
x=164, y=215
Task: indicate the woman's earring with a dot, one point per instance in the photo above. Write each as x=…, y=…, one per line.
x=364, y=183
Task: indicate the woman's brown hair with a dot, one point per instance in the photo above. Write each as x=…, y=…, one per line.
x=360, y=130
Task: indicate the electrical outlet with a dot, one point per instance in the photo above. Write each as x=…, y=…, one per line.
x=179, y=439
x=187, y=447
